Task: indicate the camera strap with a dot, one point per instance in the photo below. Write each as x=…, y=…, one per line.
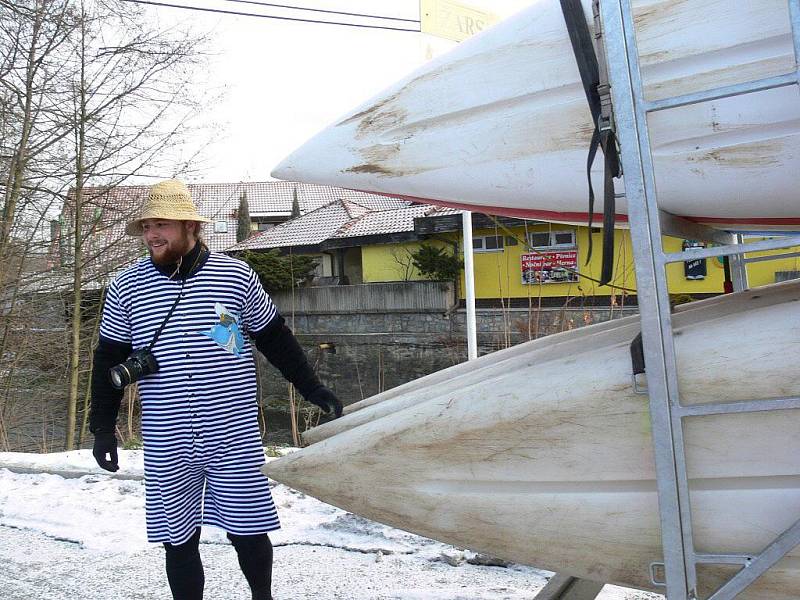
x=204, y=251
x=169, y=314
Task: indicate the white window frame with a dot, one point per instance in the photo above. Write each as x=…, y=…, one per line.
x=552, y=238
x=483, y=248
x=220, y=226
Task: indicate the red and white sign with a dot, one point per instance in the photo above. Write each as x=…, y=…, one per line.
x=548, y=267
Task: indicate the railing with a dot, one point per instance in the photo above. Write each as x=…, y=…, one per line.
x=405, y=296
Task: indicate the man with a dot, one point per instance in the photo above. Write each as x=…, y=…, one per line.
x=202, y=448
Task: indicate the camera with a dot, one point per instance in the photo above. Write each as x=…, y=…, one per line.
x=139, y=364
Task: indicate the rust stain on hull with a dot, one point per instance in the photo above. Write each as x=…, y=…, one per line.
x=378, y=160
x=370, y=169
x=388, y=112
x=757, y=155
x=668, y=10
x=369, y=111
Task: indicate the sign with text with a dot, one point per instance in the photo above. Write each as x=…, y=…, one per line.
x=453, y=20
x=548, y=267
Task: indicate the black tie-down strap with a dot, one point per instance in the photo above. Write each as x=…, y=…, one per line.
x=637, y=355
x=597, y=95
x=637, y=364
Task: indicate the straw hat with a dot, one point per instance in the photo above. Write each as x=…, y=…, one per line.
x=168, y=199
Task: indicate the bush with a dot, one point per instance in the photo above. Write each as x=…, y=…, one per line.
x=278, y=272
x=437, y=263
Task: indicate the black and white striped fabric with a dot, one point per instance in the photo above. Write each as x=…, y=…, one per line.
x=202, y=448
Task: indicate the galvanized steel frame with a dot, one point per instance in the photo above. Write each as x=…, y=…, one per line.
x=667, y=413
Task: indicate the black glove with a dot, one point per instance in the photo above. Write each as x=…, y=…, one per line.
x=105, y=442
x=326, y=400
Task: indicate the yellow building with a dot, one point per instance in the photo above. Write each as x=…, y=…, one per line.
x=520, y=261
x=372, y=239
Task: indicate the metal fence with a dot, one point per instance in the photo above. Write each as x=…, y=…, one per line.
x=786, y=275
x=411, y=296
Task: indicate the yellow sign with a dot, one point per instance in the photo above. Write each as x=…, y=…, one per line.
x=452, y=20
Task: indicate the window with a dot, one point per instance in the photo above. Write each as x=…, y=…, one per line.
x=563, y=238
x=220, y=227
x=552, y=239
x=487, y=243
x=539, y=240
x=266, y=223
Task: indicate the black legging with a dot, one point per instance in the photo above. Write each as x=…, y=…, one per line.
x=185, y=569
x=255, y=559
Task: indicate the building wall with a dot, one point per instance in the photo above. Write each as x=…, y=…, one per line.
x=498, y=274
x=763, y=273
x=352, y=266
x=390, y=262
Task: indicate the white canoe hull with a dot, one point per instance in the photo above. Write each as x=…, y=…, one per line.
x=501, y=124
x=543, y=454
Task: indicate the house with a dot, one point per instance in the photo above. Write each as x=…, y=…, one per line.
x=516, y=262
x=347, y=236
x=369, y=238
x=106, y=211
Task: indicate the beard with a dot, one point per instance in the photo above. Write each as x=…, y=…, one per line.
x=173, y=251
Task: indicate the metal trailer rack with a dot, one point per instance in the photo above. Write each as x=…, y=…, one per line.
x=647, y=223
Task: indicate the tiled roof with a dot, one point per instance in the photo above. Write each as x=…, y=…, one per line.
x=342, y=219
x=385, y=221
x=308, y=230
x=275, y=198
x=105, y=246
x=220, y=203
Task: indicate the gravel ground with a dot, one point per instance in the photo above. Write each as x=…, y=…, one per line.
x=70, y=533
x=36, y=566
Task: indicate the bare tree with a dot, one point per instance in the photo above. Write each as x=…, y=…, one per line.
x=33, y=46
x=129, y=107
x=92, y=94
x=34, y=35
x=404, y=259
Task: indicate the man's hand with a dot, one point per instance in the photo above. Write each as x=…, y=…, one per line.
x=326, y=400
x=105, y=443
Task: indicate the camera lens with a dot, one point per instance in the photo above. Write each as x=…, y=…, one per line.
x=139, y=364
x=119, y=376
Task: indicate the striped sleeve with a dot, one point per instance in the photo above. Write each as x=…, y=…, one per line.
x=115, y=324
x=259, y=311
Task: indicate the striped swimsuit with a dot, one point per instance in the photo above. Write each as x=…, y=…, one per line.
x=202, y=446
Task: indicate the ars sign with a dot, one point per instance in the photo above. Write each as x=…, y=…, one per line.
x=451, y=20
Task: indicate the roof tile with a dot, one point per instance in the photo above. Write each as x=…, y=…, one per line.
x=342, y=219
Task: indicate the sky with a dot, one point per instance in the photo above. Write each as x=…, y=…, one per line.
x=71, y=530
x=281, y=81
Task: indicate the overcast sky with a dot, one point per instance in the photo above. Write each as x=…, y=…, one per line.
x=283, y=81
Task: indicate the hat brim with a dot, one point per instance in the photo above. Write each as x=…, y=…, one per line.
x=134, y=228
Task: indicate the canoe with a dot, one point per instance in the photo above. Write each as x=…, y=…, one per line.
x=542, y=454
x=501, y=125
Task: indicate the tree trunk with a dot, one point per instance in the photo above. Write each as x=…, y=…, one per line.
x=77, y=272
x=16, y=173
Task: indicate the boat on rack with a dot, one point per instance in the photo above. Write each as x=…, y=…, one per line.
x=542, y=454
x=501, y=125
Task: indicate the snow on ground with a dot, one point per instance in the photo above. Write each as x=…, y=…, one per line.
x=71, y=531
